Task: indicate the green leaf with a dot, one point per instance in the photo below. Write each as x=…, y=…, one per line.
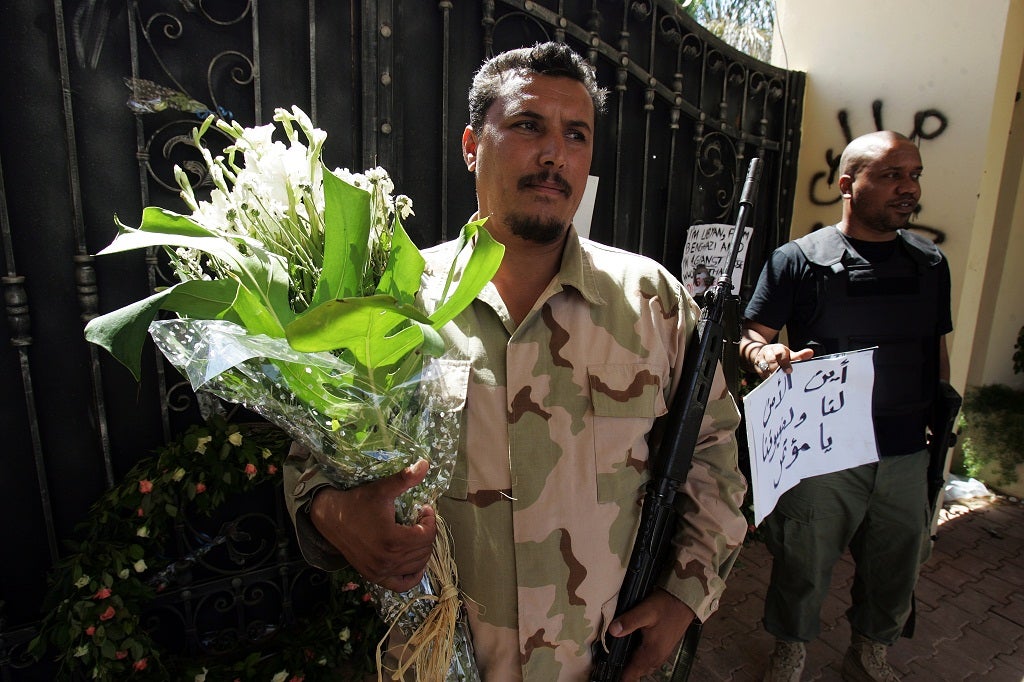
x=264, y=274
x=37, y=647
x=401, y=276
x=353, y=324
x=161, y=227
x=123, y=332
x=255, y=316
x=156, y=220
x=379, y=351
x=346, y=239
x=480, y=268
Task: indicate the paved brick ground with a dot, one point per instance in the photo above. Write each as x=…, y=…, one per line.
x=970, y=608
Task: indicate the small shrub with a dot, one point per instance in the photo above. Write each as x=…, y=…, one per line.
x=93, y=624
x=992, y=428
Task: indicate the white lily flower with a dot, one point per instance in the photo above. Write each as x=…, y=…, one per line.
x=403, y=205
x=257, y=138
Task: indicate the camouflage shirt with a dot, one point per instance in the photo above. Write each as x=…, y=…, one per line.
x=545, y=497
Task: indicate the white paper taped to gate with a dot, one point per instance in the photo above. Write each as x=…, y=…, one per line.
x=814, y=421
x=706, y=253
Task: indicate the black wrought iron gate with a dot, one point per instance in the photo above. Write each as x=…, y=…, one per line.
x=387, y=79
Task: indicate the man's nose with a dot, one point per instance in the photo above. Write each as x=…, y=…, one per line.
x=553, y=151
x=909, y=185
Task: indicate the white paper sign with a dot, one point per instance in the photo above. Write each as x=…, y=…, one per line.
x=706, y=254
x=585, y=211
x=814, y=421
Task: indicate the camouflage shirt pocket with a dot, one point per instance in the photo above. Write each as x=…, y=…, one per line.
x=626, y=399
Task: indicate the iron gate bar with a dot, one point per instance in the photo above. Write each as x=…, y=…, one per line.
x=85, y=275
x=16, y=303
x=257, y=82
x=142, y=155
x=445, y=6
x=649, y=93
x=674, y=116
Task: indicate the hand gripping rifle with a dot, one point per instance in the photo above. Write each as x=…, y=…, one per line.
x=672, y=463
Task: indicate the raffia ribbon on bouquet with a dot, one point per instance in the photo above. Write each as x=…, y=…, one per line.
x=428, y=652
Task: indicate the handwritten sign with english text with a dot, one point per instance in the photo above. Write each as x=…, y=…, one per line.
x=706, y=254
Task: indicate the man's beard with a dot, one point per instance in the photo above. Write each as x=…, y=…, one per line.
x=533, y=228
x=888, y=226
x=880, y=220
x=536, y=229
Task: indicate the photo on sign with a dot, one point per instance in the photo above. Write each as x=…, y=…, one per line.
x=706, y=253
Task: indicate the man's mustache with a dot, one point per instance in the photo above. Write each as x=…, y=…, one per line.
x=546, y=178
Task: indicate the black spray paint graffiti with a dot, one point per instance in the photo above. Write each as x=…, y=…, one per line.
x=928, y=125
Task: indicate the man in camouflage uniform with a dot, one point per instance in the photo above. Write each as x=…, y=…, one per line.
x=570, y=354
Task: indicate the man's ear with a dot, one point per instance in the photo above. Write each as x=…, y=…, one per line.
x=846, y=186
x=469, y=148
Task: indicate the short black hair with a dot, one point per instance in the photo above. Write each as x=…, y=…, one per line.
x=546, y=59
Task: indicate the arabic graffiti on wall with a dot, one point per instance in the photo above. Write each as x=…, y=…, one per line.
x=928, y=124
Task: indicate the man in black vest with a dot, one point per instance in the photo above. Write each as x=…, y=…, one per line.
x=861, y=283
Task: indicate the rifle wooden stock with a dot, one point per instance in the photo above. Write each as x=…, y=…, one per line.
x=674, y=457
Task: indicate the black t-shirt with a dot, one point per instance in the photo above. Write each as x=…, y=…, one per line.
x=786, y=290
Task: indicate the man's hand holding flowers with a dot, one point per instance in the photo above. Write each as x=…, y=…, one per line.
x=396, y=555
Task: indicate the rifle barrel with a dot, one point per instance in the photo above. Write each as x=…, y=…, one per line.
x=675, y=455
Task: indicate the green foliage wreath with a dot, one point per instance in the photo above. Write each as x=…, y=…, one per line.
x=99, y=590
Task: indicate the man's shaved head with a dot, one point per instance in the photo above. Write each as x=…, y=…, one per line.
x=866, y=148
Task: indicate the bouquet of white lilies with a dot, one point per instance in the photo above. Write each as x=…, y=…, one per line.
x=298, y=299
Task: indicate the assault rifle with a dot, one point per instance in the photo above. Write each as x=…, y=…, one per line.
x=941, y=438
x=941, y=422
x=672, y=462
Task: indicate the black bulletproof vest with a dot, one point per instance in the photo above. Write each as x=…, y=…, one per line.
x=891, y=304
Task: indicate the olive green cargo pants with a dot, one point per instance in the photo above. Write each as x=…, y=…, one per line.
x=881, y=512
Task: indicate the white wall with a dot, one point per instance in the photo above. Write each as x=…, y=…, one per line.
x=1008, y=308
x=962, y=60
